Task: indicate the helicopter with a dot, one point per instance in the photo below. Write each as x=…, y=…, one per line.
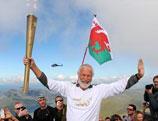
x=55, y=65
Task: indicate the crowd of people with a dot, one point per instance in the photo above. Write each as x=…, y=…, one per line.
x=84, y=99
x=58, y=113
x=43, y=113
x=132, y=115
x=150, y=102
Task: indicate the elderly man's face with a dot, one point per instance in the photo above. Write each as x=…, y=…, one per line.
x=85, y=77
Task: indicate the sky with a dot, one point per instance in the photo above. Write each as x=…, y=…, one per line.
x=62, y=35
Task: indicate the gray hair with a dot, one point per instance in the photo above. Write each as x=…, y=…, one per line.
x=85, y=66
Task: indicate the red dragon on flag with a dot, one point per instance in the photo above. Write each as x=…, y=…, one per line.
x=99, y=46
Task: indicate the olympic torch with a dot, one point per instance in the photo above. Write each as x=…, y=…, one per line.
x=30, y=34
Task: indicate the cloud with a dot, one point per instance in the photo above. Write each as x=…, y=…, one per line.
x=62, y=77
x=59, y=21
x=12, y=14
x=12, y=79
x=18, y=79
x=96, y=80
x=131, y=24
x=34, y=83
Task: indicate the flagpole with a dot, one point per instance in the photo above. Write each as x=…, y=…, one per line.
x=84, y=55
x=86, y=47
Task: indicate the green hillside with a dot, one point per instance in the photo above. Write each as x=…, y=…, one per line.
x=118, y=104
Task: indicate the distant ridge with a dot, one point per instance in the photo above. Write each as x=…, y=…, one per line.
x=118, y=104
x=9, y=97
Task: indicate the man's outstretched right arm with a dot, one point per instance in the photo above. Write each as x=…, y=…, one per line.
x=39, y=74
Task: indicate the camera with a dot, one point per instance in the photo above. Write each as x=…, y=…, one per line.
x=149, y=86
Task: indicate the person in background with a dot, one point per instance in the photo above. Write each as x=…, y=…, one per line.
x=139, y=116
x=151, y=98
x=6, y=115
x=21, y=113
x=44, y=112
x=60, y=109
x=131, y=110
x=107, y=119
x=115, y=117
x=100, y=118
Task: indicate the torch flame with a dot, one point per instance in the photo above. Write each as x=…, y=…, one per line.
x=31, y=6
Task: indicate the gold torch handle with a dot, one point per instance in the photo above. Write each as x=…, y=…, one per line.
x=30, y=34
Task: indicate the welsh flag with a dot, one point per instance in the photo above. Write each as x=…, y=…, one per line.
x=98, y=46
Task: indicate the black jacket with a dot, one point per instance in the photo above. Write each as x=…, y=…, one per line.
x=60, y=115
x=152, y=99
x=25, y=118
x=44, y=114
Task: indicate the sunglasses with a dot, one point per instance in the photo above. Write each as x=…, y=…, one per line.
x=155, y=81
x=22, y=108
x=59, y=101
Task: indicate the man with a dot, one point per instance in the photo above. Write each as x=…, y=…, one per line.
x=21, y=112
x=44, y=112
x=84, y=99
x=151, y=97
x=60, y=109
x=131, y=110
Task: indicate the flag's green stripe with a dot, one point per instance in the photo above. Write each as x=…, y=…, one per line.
x=100, y=57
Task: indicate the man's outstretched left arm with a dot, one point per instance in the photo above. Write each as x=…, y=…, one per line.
x=134, y=79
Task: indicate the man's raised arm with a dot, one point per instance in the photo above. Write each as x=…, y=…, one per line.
x=134, y=79
x=39, y=74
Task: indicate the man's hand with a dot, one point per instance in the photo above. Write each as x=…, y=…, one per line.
x=33, y=66
x=9, y=116
x=140, y=73
x=29, y=61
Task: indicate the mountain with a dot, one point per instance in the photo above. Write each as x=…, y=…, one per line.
x=9, y=97
x=118, y=104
